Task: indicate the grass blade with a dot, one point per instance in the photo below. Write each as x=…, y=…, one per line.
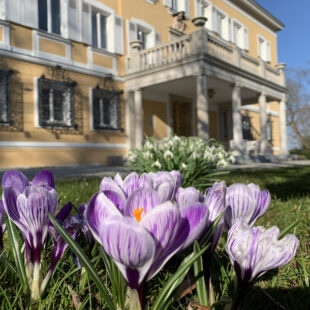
x=200, y=283
x=85, y=262
x=289, y=228
x=168, y=288
x=13, y=236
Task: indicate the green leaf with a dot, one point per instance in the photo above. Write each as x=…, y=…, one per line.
x=289, y=228
x=200, y=283
x=19, y=262
x=168, y=288
x=85, y=262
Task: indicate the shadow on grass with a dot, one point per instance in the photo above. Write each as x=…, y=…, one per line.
x=283, y=183
x=277, y=298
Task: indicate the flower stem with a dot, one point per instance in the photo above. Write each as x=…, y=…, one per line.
x=35, y=286
x=45, y=281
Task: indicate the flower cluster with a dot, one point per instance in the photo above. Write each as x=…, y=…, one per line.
x=193, y=157
x=142, y=221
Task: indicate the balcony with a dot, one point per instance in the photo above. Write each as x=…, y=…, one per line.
x=194, y=46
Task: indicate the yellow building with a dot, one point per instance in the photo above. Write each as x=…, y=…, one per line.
x=83, y=80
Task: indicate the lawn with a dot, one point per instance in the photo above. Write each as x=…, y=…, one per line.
x=286, y=288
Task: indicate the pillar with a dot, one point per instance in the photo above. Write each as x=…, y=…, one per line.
x=202, y=107
x=263, y=124
x=138, y=118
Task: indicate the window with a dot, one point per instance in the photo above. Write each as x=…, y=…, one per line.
x=246, y=127
x=264, y=49
x=4, y=97
x=99, y=29
x=56, y=105
x=237, y=34
x=106, y=109
x=49, y=15
x=142, y=36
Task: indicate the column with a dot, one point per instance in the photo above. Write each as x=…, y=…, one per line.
x=236, y=115
x=129, y=118
x=138, y=118
x=202, y=108
x=282, y=125
x=263, y=123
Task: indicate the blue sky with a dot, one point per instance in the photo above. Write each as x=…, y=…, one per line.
x=294, y=39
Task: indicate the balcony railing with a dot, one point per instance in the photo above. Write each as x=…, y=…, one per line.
x=197, y=43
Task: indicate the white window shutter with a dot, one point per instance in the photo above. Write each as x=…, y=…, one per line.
x=183, y=5
x=64, y=30
x=245, y=39
x=168, y=3
x=30, y=13
x=230, y=29
x=226, y=28
x=214, y=19
x=209, y=16
x=85, y=24
x=14, y=10
x=198, y=8
x=111, y=33
x=119, y=35
x=131, y=32
x=268, y=53
x=73, y=20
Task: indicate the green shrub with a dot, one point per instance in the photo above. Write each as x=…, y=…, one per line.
x=195, y=158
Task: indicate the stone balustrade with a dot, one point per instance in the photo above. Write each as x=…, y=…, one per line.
x=197, y=43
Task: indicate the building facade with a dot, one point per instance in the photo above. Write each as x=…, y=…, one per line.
x=81, y=81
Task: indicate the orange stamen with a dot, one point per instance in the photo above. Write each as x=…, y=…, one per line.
x=137, y=213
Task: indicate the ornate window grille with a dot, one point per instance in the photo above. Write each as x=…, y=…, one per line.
x=4, y=97
x=106, y=109
x=56, y=104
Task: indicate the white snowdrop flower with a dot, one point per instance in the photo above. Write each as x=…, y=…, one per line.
x=184, y=166
x=168, y=154
x=157, y=164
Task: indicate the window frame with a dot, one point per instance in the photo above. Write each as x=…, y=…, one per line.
x=99, y=13
x=63, y=87
x=6, y=120
x=246, y=132
x=50, y=18
x=99, y=94
x=263, y=53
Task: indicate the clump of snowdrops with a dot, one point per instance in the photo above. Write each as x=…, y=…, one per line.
x=194, y=157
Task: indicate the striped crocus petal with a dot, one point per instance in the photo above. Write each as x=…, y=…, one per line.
x=145, y=181
x=43, y=178
x=177, y=178
x=64, y=212
x=118, y=180
x=16, y=179
x=196, y=216
x=9, y=197
x=108, y=184
x=71, y=225
x=188, y=195
x=33, y=206
x=165, y=185
x=145, y=199
x=131, y=183
x=240, y=203
x=99, y=208
x=2, y=223
x=130, y=245
x=163, y=223
x=253, y=251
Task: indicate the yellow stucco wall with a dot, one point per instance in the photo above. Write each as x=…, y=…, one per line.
x=155, y=119
x=101, y=60
x=10, y=158
x=1, y=33
x=21, y=37
x=79, y=52
x=52, y=47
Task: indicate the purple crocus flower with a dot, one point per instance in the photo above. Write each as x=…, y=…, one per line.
x=2, y=224
x=72, y=225
x=246, y=202
x=147, y=231
x=254, y=250
x=27, y=204
x=118, y=190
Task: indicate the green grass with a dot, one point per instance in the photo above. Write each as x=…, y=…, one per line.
x=286, y=288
